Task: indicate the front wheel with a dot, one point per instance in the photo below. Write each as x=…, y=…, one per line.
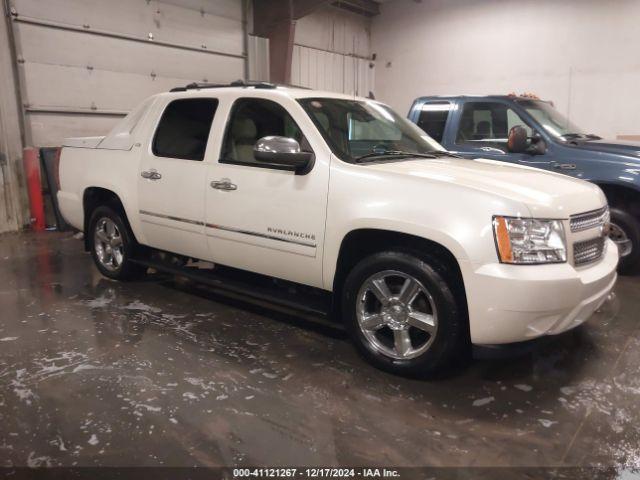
x=112, y=245
x=403, y=315
x=626, y=227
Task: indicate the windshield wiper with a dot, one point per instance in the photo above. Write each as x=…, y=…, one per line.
x=592, y=136
x=394, y=153
x=572, y=135
x=444, y=153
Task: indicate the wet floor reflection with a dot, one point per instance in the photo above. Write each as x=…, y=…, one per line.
x=95, y=372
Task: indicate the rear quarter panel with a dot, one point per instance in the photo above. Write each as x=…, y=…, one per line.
x=114, y=170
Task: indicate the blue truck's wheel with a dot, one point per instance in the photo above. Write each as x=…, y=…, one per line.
x=626, y=227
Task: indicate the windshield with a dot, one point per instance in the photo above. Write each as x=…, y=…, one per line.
x=354, y=128
x=551, y=120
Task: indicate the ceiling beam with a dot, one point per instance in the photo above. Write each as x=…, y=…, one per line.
x=302, y=8
x=368, y=8
x=268, y=14
x=273, y=19
x=276, y=20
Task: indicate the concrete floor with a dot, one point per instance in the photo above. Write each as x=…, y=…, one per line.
x=95, y=372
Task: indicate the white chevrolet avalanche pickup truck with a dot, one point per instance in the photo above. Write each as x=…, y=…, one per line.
x=337, y=205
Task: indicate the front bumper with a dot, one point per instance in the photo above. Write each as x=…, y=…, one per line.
x=514, y=303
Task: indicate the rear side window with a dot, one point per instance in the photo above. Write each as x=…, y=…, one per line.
x=433, y=119
x=184, y=129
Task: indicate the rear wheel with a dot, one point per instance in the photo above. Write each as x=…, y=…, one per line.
x=625, y=226
x=402, y=314
x=112, y=245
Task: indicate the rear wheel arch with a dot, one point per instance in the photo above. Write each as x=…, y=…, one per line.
x=94, y=197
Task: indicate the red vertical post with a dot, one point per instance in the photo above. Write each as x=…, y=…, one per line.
x=31, y=160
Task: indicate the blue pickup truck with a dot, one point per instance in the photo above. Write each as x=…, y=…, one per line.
x=528, y=131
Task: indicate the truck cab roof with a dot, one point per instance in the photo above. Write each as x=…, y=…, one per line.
x=240, y=87
x=121, y=135
x=482, y=97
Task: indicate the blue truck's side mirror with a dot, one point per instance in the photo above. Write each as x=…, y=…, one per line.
x=538, y=146
x=517, y=141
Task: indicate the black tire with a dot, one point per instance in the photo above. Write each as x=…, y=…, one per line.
x=450, y=341
x=125, y=268
x=629, y=226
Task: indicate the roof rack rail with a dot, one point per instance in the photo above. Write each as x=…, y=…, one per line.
x=237, y=83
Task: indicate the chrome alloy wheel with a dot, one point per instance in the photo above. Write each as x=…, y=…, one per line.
x=396, y=314
x=107, y=242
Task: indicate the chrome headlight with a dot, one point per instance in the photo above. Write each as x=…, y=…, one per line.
x=529, y=241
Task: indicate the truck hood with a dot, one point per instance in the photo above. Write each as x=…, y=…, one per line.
x=545, y=194
x=618, y=147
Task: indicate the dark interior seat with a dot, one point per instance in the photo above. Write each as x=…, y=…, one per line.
x=245, y=136
x=483, y=130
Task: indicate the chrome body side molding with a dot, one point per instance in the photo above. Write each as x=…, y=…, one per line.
x=228, y=229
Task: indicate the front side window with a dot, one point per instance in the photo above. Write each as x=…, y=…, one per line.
x=252, y=119
x=184, y=128
x=488, y=124
x=354, y=128
x=550, y=119
x=433, y=119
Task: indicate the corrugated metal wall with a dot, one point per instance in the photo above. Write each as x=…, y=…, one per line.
x=85, y=63
x=334, y=72
x=258, y=53
x=332, y=51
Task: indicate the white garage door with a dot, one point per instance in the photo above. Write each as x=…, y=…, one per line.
x=85, y=63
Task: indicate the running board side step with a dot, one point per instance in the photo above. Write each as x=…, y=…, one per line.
x=253, y=289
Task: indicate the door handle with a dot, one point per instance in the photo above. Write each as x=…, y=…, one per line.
x=224, y=184
x=151, y=174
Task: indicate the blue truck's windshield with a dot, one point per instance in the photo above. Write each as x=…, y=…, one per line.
x=354, y=129
x=550, y=119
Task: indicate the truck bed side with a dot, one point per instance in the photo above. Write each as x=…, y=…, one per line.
x=84, y=168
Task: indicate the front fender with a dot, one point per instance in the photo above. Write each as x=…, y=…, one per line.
x=333, y=246
x=456, y=217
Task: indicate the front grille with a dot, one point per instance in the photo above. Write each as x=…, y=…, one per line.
x=588, y=251
x=587, y=220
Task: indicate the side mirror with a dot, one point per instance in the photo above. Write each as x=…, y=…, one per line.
x=517, y=141
x=283, y=153
x=538, y=146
